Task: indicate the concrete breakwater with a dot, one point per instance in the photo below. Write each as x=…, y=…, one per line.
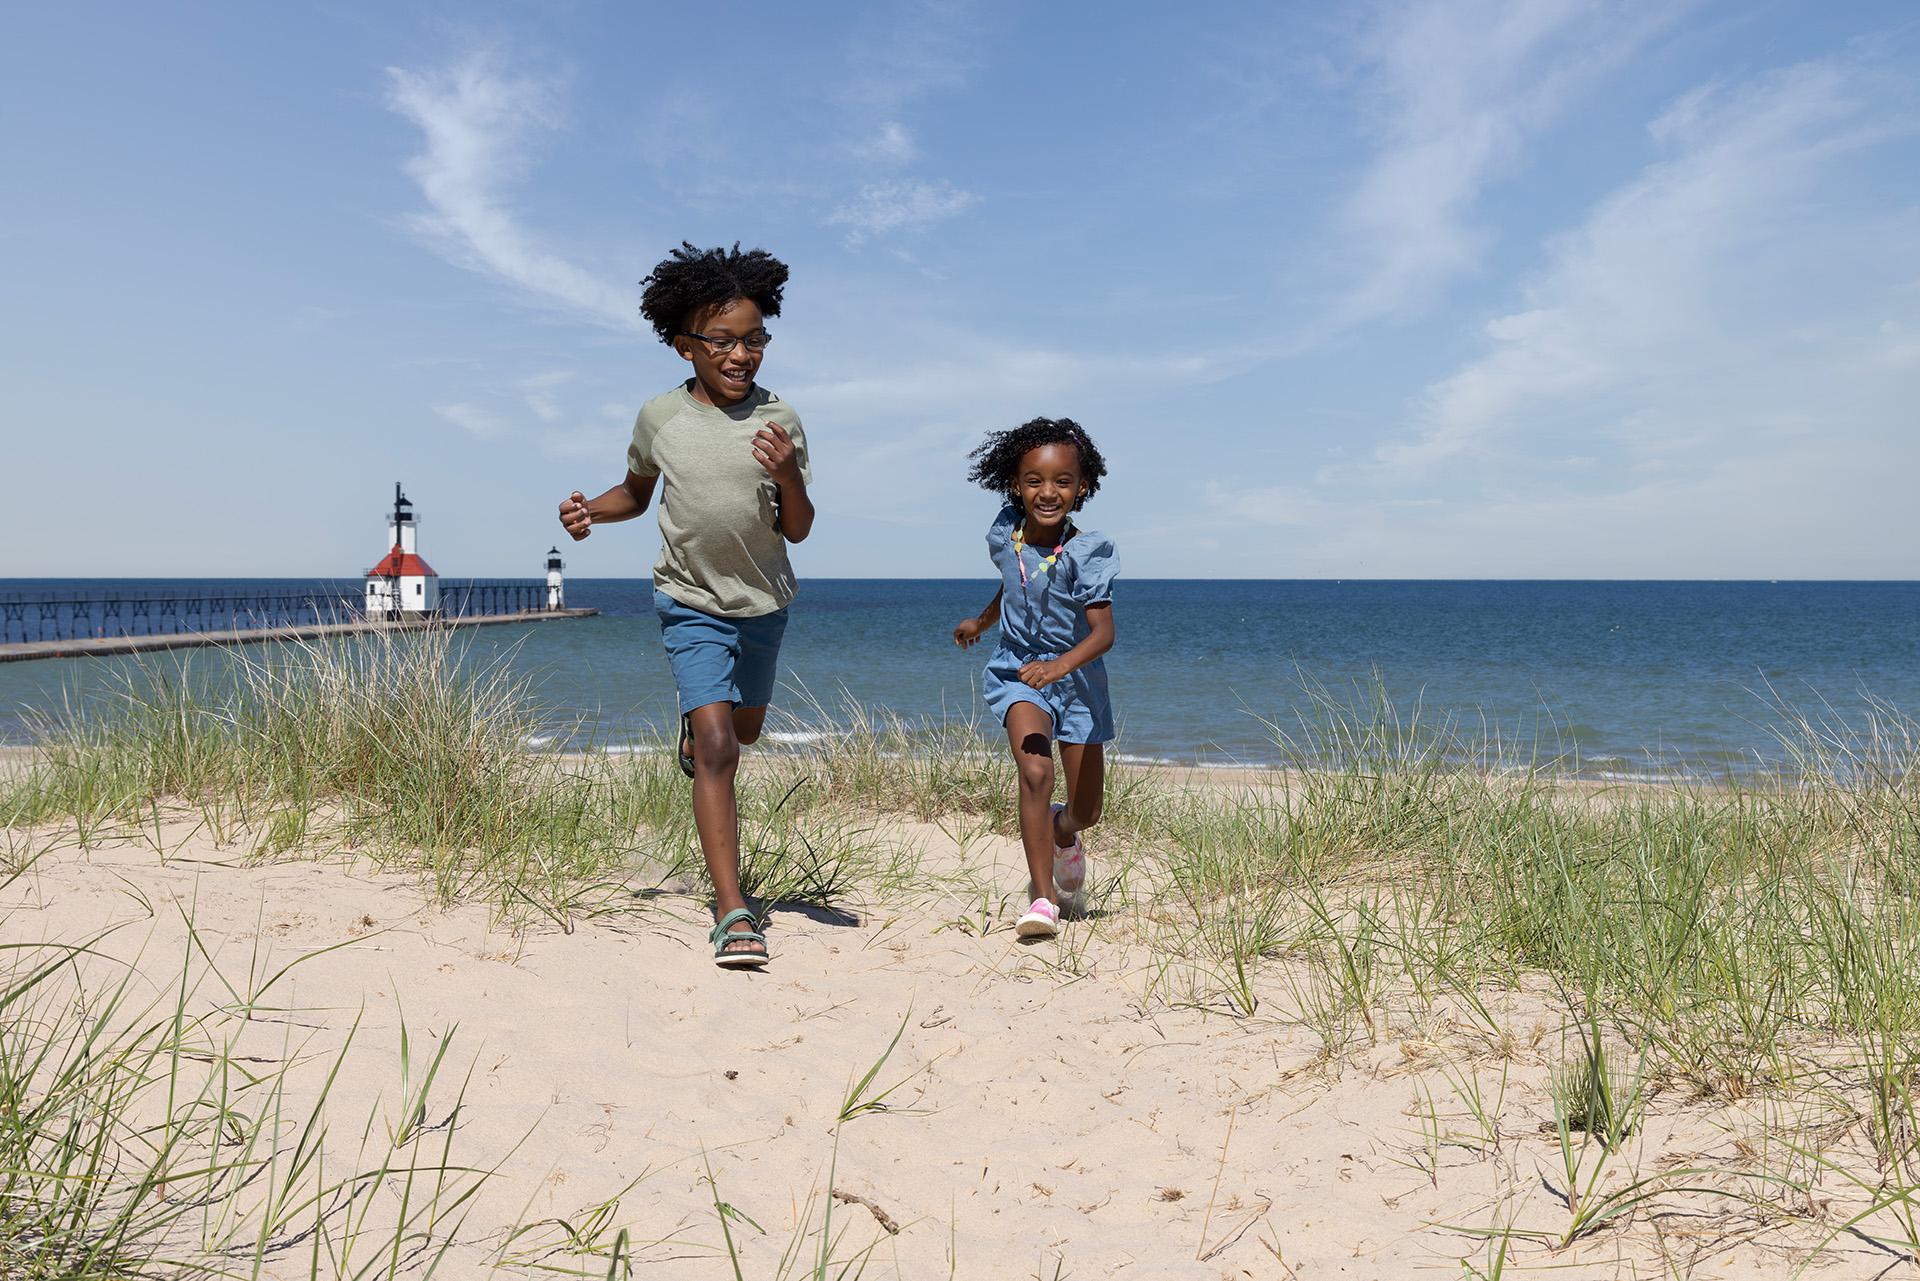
x=103, y=646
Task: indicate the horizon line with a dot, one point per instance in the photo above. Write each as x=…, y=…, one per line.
x=983, y=578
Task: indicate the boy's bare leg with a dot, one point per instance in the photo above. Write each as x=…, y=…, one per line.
x=746, y=727
x=1084, y=766
x=747, y=722
x=1030, y=734
x=716, y=816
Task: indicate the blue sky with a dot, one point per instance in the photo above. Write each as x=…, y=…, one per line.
x=1448, y=289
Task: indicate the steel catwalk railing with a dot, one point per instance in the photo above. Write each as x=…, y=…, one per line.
x=27, y=617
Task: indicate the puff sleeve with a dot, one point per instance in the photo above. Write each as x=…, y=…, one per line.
x=1095, y=567
x=1000, y=533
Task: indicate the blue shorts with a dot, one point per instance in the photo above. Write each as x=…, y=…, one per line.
x=1077, y=704
x=719, y=660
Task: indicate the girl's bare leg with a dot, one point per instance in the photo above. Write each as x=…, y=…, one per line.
x=1085, y=768
x=1030, y=735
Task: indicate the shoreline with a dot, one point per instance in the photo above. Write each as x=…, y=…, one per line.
x=1197, y=777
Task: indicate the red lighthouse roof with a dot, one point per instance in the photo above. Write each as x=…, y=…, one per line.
x=399, y=564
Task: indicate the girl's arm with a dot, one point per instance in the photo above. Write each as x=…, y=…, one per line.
x=969, y=629
x=624, y=501
x=1044, y=672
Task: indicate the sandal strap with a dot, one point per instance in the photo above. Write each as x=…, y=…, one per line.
x=681, y=756
x=720, y=935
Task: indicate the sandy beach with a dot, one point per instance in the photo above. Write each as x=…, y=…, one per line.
x=1074, y=1108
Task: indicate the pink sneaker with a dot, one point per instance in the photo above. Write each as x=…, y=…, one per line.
x=1070, y=874
x=1042, y=921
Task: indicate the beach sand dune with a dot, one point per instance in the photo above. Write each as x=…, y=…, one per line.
x=1048, y=1110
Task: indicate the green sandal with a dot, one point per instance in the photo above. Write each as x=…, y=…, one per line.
x=721, y=936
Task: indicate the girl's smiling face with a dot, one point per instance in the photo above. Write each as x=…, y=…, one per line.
x=1047, y=484
x=723, y=378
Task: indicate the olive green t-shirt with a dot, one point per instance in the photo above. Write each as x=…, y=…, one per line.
x=721, y=549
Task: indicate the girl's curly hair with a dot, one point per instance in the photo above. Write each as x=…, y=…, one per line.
x=688, y=280
x=997, y=460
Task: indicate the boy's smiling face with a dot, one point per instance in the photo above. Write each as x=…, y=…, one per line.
x=723, y=378
x=1047, y=485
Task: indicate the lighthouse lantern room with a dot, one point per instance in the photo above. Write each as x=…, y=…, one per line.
x=402, y=585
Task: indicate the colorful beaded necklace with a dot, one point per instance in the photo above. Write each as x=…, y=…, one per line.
x=1020, y=544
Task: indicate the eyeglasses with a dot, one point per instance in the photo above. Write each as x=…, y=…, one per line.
x=721, y=346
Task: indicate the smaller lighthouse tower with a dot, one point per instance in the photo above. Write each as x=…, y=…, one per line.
x=556, y=585
x=402, y=585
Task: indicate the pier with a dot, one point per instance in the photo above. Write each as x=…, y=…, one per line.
x=83, y=624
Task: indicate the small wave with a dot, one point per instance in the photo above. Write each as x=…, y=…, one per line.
x=538, y=740
x=1136, y=758
x=1637, y=776
x=797, y=735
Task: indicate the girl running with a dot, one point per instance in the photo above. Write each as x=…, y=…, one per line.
x=1046, y=680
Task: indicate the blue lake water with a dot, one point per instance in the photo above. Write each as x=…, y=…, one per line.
x=1634, y=677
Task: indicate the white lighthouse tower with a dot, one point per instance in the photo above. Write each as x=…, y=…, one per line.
x=556, y=585
x=402, y=585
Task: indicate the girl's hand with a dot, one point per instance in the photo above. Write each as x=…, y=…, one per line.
x=967, y=634
x=773, y=448
x=575, y=516
x=1043, y=672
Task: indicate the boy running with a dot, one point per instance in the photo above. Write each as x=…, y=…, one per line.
x=734, y=460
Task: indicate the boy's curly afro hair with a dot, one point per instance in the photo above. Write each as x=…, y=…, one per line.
x=690, y=279
x=997, y=460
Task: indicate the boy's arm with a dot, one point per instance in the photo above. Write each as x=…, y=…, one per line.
x=775, y=451
x=579, y=514
x=1044, y=672
x=796, y=511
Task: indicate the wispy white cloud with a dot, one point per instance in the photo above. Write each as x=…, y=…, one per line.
x=1899, y=345
x=530, y=407
x=540, y=393
x=885, y=207
x=475, y=420
x=918, y=50
x=890, y=144
x=1691, y=284
x=924, y=47
x=1266, y=504
x=475, y=119
x=598, y=435
x=1711, y=374
x=932, y=370
x=1458, y=88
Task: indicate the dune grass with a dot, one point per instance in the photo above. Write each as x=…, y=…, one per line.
x=151, y=1125
x=397, y=749
x=1738, y=943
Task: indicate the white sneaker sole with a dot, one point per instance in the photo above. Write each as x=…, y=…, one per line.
x=1035, y=926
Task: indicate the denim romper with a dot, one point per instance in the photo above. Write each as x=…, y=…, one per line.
x=1044, y=617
